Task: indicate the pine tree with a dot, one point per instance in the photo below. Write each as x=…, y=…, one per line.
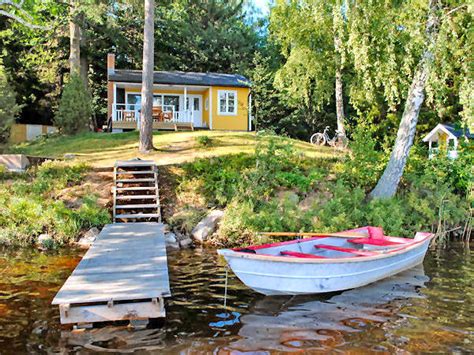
x=75, y=109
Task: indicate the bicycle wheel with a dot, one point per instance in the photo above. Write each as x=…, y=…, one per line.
x=318, y=139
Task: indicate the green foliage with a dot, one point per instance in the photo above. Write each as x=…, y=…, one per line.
x=290, y=194
x=204, y=141
x=187, y=219
x=364, y=164
x=30, y=207
x=8, y=106
x=74, y=112
x=221, y=177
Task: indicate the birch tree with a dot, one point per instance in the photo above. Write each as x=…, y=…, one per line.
x=146, y=119
x=388, y=183
x=312, y=35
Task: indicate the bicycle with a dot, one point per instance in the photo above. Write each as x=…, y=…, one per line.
x=339, y=140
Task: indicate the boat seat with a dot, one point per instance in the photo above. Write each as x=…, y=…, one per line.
x=372, y=241
x=301, y=255
x=347, y=250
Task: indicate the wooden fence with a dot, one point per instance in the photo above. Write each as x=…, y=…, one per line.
x=26, y=132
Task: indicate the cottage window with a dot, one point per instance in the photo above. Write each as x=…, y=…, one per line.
x=227, y=102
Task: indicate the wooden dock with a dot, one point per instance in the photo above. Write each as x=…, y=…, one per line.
x=123, y=276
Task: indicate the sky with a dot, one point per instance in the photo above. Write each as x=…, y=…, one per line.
x=262, y=5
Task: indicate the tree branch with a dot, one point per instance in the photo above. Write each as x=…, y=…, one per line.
x=17, y=6
x=23, y=22
x=455, y=9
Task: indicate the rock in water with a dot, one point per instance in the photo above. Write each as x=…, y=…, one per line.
x=171, y=241
x=185, y=243
x=45, y=241
x=88, y=238
x=207, y=226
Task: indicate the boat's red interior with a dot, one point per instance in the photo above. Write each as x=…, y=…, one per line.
x=371, y=241
x=301, y=255
x=368, y=236
x=269, y=245
x=346, y=250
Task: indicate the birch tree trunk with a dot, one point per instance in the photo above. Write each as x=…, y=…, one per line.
x=388, y=184
x=339, y=101
x=74, y=40
x=338, y=28
x=146, y=120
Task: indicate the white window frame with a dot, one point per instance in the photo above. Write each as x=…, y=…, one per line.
x=227, y=92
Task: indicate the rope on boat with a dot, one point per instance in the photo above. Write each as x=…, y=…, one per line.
x=225, y=287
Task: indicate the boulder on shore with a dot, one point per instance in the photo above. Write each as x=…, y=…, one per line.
x=88, y=238
x=45, y=241
x=170, y=241
x=207, y=225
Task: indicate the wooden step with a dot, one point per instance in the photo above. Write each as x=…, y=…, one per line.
x=137, y=215
x=134, y=163
x=135, y=197
x=139, y=172
x=136, y=180
x=136, y=188
x=146, y=205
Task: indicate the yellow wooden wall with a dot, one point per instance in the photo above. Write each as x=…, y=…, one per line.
x=205, y=111
x=18, y=133
x=237, y=122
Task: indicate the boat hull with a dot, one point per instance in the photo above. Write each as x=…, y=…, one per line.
x=282, y=277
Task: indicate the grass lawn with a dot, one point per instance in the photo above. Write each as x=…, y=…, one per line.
x=103, y=149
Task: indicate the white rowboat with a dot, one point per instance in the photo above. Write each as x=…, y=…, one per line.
x=325, y=262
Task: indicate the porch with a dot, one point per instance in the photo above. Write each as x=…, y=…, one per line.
x=174, y=107
x=126, y=116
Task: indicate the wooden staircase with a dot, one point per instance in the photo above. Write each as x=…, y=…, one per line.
x=136, y=193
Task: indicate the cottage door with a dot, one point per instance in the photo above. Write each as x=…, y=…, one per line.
x=194, y=105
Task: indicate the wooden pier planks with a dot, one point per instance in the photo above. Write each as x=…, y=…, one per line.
x=124, y=275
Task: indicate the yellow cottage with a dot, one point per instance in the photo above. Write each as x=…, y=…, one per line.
x=180, y=100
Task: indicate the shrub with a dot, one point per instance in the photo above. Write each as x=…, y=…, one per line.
x=75, y=110
x=29, y=205
x=9, y=109
x=364, y=165
x=204, y=141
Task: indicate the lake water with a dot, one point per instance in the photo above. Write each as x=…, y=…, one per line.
x=427, y=309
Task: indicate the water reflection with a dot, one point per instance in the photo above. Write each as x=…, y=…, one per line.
x=408, y=312
x=281, y=324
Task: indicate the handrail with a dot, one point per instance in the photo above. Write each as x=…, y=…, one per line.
x=131, y=113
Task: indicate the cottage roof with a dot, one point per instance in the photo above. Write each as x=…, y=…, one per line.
x=458, y=132
x=181, y=78
x=450, y=130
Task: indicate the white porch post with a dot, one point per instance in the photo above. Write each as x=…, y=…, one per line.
x=114, y=102
x=250, y=112
x=185, y=102
x=210, y=108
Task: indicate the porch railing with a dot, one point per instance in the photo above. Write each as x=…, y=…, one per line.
x=131, y=113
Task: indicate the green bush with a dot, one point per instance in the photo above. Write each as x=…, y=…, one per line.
x=75, y=110
x=29, y=206
x=221, y=176
x=204, y=141
x=364, y=165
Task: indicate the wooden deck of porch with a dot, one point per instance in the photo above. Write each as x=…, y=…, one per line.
x=176, y=126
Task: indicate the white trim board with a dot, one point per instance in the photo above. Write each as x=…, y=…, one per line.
x=436, y=129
